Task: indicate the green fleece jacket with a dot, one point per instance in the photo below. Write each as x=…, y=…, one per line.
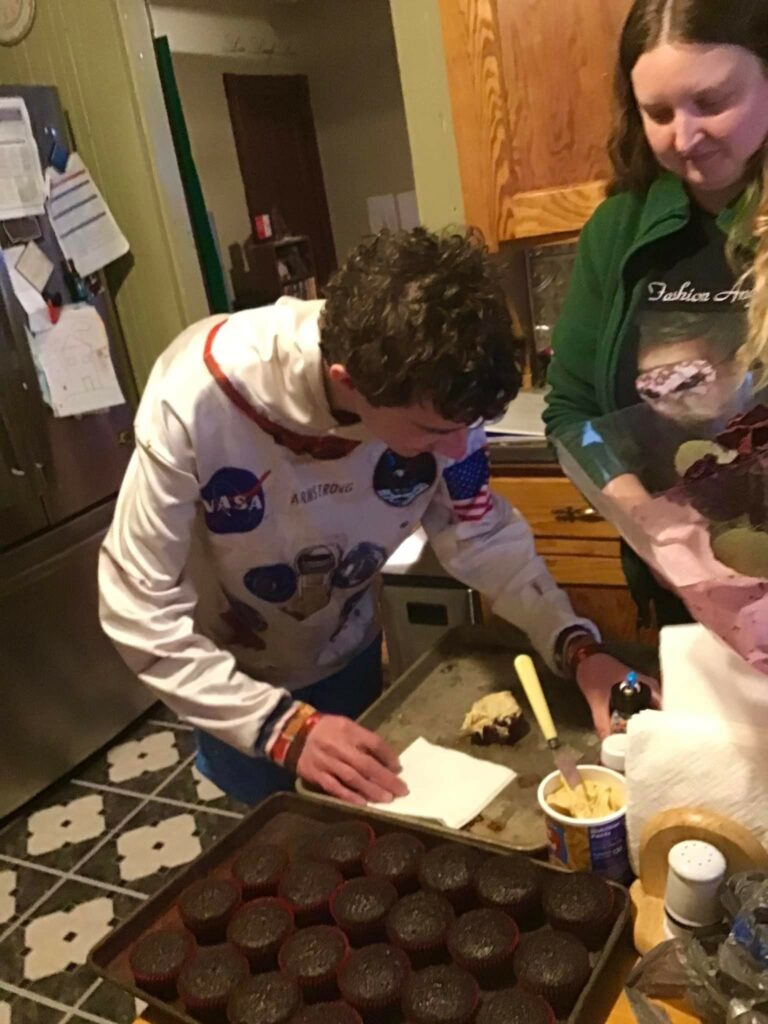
x=606, y=287
x=594, y=332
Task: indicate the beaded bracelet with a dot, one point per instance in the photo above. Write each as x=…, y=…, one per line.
x=581, y=652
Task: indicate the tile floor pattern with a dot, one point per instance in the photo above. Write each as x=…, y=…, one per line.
x=84, y=856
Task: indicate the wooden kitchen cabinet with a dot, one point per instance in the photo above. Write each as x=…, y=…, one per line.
x=531, y=84
x=580, y=548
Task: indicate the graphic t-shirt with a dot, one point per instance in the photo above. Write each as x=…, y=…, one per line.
x=690, y=326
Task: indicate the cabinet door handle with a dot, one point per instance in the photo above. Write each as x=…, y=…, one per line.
x=570, y=514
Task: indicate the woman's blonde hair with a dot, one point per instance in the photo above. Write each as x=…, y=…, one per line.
x=755, y=244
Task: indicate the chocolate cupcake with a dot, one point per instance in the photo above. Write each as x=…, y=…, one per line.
x=449, y=869
x=515, y=1006
x=360, y=906
x=511, y=883
x=259, y=868
x=328, y=1013
x=555, y=966
x=441, y=995
x=157, y=959
x=372, y=981
x=259, y=929
x=265, y=999
x=581, y=904
x=483, y=942
x=207, y=906
x=396, y=857
x=308, y=886
x=344, y=845
x=314, y=957
x=208, y=979
x=418, y=924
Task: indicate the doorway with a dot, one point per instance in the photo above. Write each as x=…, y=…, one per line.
x=279, y=158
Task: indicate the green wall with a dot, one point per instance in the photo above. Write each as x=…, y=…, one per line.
x=424, y=81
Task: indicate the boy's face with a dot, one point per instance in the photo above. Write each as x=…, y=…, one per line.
x=409, y=430
x=412, y=429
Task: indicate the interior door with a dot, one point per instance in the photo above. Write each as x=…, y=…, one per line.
x=279, y=158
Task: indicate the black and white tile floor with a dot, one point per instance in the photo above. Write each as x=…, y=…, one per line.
x=82, y=858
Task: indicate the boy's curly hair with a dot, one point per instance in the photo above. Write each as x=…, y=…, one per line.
x=419, y=317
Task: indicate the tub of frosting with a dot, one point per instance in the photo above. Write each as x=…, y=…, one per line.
x=587, y=831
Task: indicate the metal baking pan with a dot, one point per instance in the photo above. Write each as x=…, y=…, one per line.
x=431, y=698
x=292, y=821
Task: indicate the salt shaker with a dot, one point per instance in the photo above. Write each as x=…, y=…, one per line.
x=696, y=872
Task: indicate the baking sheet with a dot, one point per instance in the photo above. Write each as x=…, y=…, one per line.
x=292, y=821
x=431, y=698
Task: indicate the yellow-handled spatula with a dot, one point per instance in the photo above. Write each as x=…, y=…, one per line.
x=564, y=759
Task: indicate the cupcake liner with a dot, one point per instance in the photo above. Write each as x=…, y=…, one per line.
x=554, y=966
x=593, y=925
x=416, y=995
x=492, y=969
x=329, y=845
x=270, y=996
x=328, y=1013
x=515, y=1006
x=315, y=986
x=594, y=934
x=512, y=884
x=309, y=912
x=259, y=880
x=156, y=979
x=208, y=925
x=363, y=932
x=210, y=1006
x=449, y=869
x=261, y=953
x=404, y=876
x=421, y=951
x=355, y=976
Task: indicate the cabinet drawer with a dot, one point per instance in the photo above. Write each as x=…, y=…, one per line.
x=578, y=562
x=553, y=507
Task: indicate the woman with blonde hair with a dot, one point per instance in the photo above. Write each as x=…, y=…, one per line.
x=681, y=239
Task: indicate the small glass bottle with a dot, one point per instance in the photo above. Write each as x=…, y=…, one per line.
x=628, y=698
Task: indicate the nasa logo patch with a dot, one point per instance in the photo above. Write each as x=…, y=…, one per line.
x=234, y=501
x=399, y=481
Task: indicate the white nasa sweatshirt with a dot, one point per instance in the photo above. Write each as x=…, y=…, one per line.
x=250, y=527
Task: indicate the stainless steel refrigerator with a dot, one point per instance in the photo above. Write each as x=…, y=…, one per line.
x=65, y=692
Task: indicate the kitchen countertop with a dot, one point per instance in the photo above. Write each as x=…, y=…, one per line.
x=537, y=450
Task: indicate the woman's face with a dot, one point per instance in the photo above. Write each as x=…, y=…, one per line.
x=704, y=110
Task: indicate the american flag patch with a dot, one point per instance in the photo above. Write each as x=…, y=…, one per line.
x=467, y=483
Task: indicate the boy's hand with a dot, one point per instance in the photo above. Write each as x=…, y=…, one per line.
x=350, y=762
x=595, y=677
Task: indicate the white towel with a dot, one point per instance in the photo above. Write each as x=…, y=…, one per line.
x=446, y=785
x=676, y=760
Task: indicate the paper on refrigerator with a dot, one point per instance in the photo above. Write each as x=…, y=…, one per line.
x=82, y=222
x=74, y=357
x=31, y=300
x=446, y=785
x=22, y=186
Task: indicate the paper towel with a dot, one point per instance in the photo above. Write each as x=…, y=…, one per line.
x=446, y=785
x=704, y=677
x=680, y=760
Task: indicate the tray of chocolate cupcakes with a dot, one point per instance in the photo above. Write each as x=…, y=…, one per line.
x=310, y=914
